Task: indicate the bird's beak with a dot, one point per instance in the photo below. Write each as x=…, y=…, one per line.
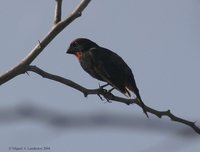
x=71, y=50
x=74, y=50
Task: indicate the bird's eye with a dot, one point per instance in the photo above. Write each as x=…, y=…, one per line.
x=75, y=44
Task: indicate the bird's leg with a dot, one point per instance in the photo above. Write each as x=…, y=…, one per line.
x=111, y=90
x=103, y=86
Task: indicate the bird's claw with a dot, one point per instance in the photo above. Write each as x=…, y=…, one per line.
x=100, y=97
x=107, y=100
x=27, y=73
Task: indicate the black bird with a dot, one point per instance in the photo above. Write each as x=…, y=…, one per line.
x=106, y=66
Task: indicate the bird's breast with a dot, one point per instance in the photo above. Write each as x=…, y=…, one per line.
x=78, y=55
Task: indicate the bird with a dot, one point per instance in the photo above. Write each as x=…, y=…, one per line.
x=105, y=65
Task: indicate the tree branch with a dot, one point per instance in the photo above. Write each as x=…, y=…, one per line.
x=22, y=66
x=59, y=25
x=110, y=97
x=58, y=11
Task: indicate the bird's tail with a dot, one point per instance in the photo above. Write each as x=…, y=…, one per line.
x=136, y=92
x=142, y=105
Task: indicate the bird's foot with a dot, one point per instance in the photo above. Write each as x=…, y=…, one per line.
x=103, y=97
x=100, y=97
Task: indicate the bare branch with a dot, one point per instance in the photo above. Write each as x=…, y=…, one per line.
x=58, y=11
x=109, y=96
x=83, y=4
x=22, y=66
x=80, y=88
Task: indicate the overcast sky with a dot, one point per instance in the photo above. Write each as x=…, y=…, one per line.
x=159, y=40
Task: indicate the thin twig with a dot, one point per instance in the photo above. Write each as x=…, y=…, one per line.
x=21, y=67
x=58, y=11
x=109, y=96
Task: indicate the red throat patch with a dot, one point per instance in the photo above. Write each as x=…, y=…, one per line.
x=78, y=55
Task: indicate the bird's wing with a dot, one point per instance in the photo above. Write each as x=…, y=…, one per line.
x=109, y=67
x=99, y=66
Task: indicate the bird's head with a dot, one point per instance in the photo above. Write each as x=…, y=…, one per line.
x=80, y=45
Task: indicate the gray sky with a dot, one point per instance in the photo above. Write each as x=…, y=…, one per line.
x=160, y=41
